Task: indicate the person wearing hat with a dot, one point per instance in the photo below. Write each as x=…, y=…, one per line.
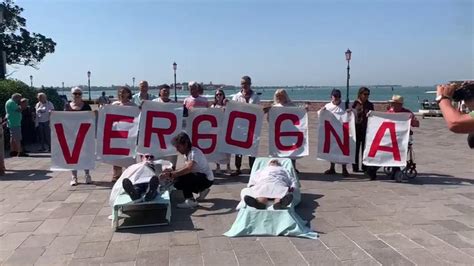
x=77, y=104
x=246, y=95
x=336, y=106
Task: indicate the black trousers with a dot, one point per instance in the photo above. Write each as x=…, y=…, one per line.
x=192, y=182
x=238, y=161
x=360, y=145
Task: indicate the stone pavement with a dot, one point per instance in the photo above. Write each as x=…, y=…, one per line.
x=427, y=221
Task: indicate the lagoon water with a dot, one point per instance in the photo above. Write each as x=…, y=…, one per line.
x=411, y=94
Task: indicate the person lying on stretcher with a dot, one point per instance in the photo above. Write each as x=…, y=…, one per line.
x=145, y=183
x=271, y=183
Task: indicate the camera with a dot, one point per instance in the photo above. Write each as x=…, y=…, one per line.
x=465, y=91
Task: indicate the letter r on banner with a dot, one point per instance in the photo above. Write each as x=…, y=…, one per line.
x=329, y=130
x=72, y=158
x=251, y=118
x=196, y=136
x=394, y=149
x=109, y=133
x=160, y=132
x=278, y=133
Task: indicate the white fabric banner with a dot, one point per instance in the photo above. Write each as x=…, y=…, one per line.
x=288, y=132
x=159, y=123
x=72, y=140
x=117, y=129
x=204, y=127
x=337, y=137
x=241, y=128
x=386, y=142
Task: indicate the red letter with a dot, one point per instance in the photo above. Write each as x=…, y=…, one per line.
x=328, y=130
x=197, y=136
x=110, y=119
x=230, y=126
x=378, y=138
x=278, y=134
x=161, y=132
x=76, y=150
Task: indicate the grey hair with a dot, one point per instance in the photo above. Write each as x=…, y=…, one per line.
x=274, y=162
x=41, y=94
x=16, y=95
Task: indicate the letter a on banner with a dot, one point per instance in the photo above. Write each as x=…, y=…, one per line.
x=117, y=129
x=386, y=142
x=336, y=140
x=159, y=123
x=72, y=140
x=204, y=129
x=241, y=129
x=288, y=132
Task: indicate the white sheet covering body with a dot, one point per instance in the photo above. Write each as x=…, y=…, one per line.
x=270, y=182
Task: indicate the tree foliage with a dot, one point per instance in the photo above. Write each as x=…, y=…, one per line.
x=21, y=46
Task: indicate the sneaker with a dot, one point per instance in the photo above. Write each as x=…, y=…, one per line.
x=345, y=173
x=284, y=202
x=187, y=204
x=203, y=194
x=236, y=173
x=73, y=181
x=130, y=189
x=253, y=202
x=88, y=179
x=152, y=189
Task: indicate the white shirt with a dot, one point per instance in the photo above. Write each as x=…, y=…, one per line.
x=161, y=100
x=43, y=111
x=200, y=163
x=271, y=182
x=239, y=97
x=336, y=109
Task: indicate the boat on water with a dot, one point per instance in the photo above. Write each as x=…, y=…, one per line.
x=429, y=107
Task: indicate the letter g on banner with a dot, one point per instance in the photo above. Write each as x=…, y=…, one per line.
x=288, y=131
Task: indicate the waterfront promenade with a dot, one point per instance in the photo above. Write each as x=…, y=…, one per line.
x=427, y=221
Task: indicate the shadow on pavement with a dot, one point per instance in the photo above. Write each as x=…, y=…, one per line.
x=308, y=206
x=227, y=205
x=28, y=175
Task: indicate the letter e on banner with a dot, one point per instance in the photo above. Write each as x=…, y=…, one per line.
x=159, y=123
x=288, y=131
x=241, y=129
x=336, y=140
x=72, y=140
x=387, y=139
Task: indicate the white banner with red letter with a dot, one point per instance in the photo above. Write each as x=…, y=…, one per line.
x=337, y=139
x=159, y=123
x=204, y=127
x=72, y=140
x=117, y=129
x=241, y=128
x=386, y=142
x=288, y=132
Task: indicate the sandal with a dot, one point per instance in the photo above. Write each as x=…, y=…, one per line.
x=330, y=172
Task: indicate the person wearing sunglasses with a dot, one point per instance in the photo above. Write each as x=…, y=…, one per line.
x=220, y=102
x=361, y=106
x=77, y=104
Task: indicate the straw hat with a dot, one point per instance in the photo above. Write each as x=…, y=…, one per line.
x=396, y=99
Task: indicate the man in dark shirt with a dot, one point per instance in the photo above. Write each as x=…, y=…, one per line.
x=362, y=106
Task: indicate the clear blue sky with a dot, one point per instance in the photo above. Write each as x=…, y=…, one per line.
x=404, y=42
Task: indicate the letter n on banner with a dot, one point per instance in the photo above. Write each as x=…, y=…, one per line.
x=159, y=123
x=204, y=131
x=386, y=142
x=117, y=129
x=336, y=140
x=288, y=132
x=72, y=140
x=241, y=129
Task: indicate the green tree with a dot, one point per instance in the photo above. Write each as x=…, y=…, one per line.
x=21, y=46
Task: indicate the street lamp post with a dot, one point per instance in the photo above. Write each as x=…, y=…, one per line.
x=89, y=83
x=133, y=83
x=31, y=81
x=175, y=66
x=348, y=58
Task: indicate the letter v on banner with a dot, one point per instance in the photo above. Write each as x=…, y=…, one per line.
x=387, y=139
x=336, y=142
x=241, y=129
x=159, y=123
x=73, y=140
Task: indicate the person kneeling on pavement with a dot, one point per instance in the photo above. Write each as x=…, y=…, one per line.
x=271, y=183
x=194, y=177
